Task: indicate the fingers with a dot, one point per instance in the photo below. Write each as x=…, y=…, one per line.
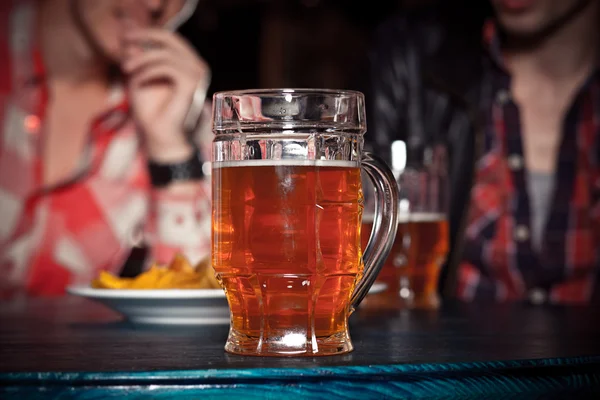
x=183, y=84
x=157, y=37
x=165, y=48
x=156, y=73
x=138, y=61
x=188, y=73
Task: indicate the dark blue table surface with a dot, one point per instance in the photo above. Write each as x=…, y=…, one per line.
x=75, y=348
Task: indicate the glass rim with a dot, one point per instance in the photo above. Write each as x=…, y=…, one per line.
x=242, y=92
x=289, y=110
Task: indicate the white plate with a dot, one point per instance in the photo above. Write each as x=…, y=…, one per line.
x=170, y=306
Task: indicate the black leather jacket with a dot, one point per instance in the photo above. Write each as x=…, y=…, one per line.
x=426, y=78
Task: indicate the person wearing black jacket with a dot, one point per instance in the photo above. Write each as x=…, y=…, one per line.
x=512, y=87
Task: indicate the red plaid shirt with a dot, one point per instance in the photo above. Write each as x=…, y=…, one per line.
x=51, y=237
x=498, y=260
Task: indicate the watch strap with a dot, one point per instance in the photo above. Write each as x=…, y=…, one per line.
x=164, y=174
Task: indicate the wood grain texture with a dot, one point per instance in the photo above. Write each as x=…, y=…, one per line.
x=73, y=348
x=520, y=379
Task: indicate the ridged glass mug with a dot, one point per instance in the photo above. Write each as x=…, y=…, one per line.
x=286, y=220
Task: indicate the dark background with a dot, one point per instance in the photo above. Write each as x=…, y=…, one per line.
x=298, y=43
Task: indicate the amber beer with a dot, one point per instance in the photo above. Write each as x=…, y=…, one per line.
x=286, y=246
x=425, y=236
x=412, y=269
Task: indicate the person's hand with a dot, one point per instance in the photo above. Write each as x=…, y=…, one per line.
x=164, y=76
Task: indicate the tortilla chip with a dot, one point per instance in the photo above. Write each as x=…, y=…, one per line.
x=178, y=274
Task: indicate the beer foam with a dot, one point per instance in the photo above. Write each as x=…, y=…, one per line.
x=286, y=163
x=410, y=217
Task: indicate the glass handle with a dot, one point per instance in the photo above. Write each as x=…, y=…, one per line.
x=385, y=224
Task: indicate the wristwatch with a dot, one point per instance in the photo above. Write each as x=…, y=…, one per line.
x=163, y=174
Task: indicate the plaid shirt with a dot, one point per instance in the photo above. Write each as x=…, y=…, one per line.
x=51, y=237
x=498, y=260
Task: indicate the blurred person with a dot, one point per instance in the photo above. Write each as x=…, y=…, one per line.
x=97, y=151
x=513, y=87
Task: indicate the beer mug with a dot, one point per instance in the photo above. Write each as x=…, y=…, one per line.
x=422, y=240
x=286, y=224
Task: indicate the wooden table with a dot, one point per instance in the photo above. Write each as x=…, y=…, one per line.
x=72, y=347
